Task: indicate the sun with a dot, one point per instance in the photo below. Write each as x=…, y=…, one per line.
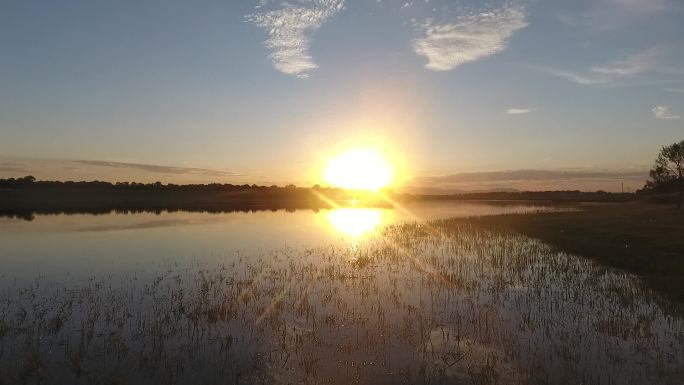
x=359, y=169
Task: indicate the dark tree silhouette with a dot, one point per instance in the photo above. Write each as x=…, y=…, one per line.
x=668, y=169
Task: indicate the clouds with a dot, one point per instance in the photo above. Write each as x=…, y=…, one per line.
x=571, y=76
x=588, y=179
x=289, y=29
x=157, y=168
x=664, y=113
x=12, y=167
x=518, y=111
x=515, y=175
x=446, y=44
x=613, y=71
x=641, y=6
x=632, y=64
x=75, y=169
x=611, y=15
x=469, y=38
x=608, y=26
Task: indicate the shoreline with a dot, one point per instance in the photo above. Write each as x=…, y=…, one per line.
x=641, y=238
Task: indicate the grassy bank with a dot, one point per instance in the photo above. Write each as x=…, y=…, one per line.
x=644, y=239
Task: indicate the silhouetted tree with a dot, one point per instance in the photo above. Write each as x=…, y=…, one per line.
x=669, y=169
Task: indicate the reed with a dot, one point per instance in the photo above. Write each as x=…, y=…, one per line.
x=420, y=303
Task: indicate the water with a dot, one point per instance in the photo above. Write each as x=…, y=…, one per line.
x=82, y=245
x=329, y=297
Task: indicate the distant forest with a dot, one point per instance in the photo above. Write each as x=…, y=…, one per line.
x=30, y=182
x=24, y=197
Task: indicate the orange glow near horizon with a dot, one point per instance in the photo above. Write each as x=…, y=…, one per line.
x=359, y=169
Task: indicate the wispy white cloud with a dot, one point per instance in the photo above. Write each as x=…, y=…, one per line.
x=468, y=38
x=518, y=111
x=571, y=76
x=13, y=167
x=157, y=168
x=663, y=112
x=632, y=64
x=586, y=179
x=289, y=26
x=609, y=15
x=628, y=67
x=509, y=175
x=641, y=6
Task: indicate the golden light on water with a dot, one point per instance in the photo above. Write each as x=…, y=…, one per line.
x=359, y=169
x=355, y=222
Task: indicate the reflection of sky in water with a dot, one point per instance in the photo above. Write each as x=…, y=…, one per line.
x=85, y=245
x=318, y=290
x=443, y=308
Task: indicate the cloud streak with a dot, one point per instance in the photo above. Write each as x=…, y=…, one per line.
x=572, y=77
x=12, y=167
x=609, y=15
x=527, y=175
x=629, y=67
x=518, y=111
x=289, y=28
x=664, y=113
x=632, y=64
x=641, y=6
x=158, y=169
x=586, y=179
x=469, y=38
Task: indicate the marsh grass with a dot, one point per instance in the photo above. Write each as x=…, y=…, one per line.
x=434, y=303
x=641, y=238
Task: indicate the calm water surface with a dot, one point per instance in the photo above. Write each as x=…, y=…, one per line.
x=348, y=296
x=82, y=245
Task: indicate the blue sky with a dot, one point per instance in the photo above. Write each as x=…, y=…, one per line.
x=259, y=90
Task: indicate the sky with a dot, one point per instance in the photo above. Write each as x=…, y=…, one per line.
x=465, y=95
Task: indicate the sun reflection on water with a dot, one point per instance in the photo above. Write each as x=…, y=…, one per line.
x=355, y=222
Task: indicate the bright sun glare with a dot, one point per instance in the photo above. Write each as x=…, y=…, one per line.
x=355, y=222
x=362, y=169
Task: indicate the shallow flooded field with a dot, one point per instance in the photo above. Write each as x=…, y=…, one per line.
x=436, y=302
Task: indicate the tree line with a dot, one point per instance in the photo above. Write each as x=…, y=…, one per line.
x=31, y=183
x=667, y=173
x=666, y=178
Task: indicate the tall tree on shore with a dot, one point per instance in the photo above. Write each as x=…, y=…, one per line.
x=669, y=168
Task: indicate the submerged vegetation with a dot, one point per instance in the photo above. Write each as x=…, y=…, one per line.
x=436, y=303
x=643, y=239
